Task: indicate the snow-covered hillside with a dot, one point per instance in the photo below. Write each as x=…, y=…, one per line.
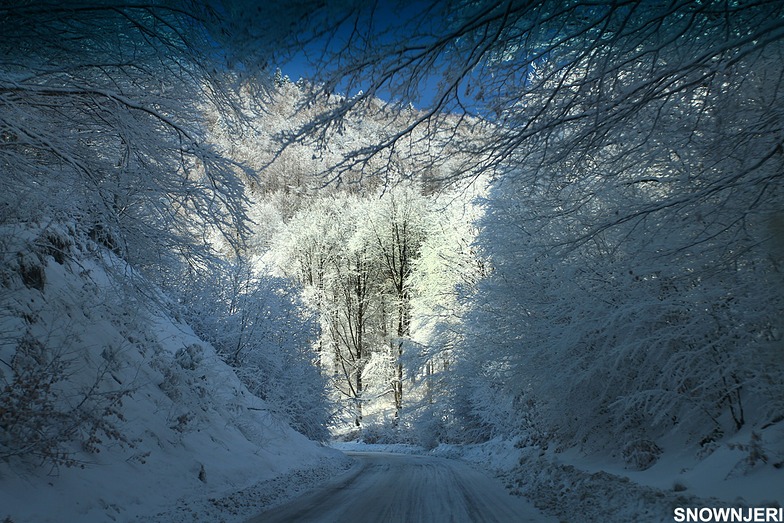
x=112, y=409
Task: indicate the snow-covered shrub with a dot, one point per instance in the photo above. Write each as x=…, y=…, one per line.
x=259, y=327
x=31, y=422
x=619, y=329
x=31, y=269
x=39, y=423
x=114, y=148
x=189, y=357
x=755, y=454
x=55, y=400
x=641, y=454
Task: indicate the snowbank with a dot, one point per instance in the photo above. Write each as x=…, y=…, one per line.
x=160, y=421
x=599, y=489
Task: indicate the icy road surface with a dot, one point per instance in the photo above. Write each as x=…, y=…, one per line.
x=386, y=487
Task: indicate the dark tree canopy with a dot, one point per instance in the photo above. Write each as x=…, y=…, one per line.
x=563, y=84
x=101, y=105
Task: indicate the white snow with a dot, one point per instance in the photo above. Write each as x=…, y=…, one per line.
x=194, y=442
x=598, y=488
x=401, y=487
x=722, y=474
x=199, y=447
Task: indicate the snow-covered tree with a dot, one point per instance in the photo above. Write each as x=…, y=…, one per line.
x=443, y=278
x=99, y=116
x=259, y=326
x=395, y=227
x=104, y=146
x=318, y=249
x=354, y=257
x=632, y=228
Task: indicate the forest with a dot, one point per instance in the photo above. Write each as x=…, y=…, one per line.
x=557, y=224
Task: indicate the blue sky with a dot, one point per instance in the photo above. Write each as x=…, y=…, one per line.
x=385, y=17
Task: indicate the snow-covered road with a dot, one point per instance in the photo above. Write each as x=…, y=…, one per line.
x=407, y=488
